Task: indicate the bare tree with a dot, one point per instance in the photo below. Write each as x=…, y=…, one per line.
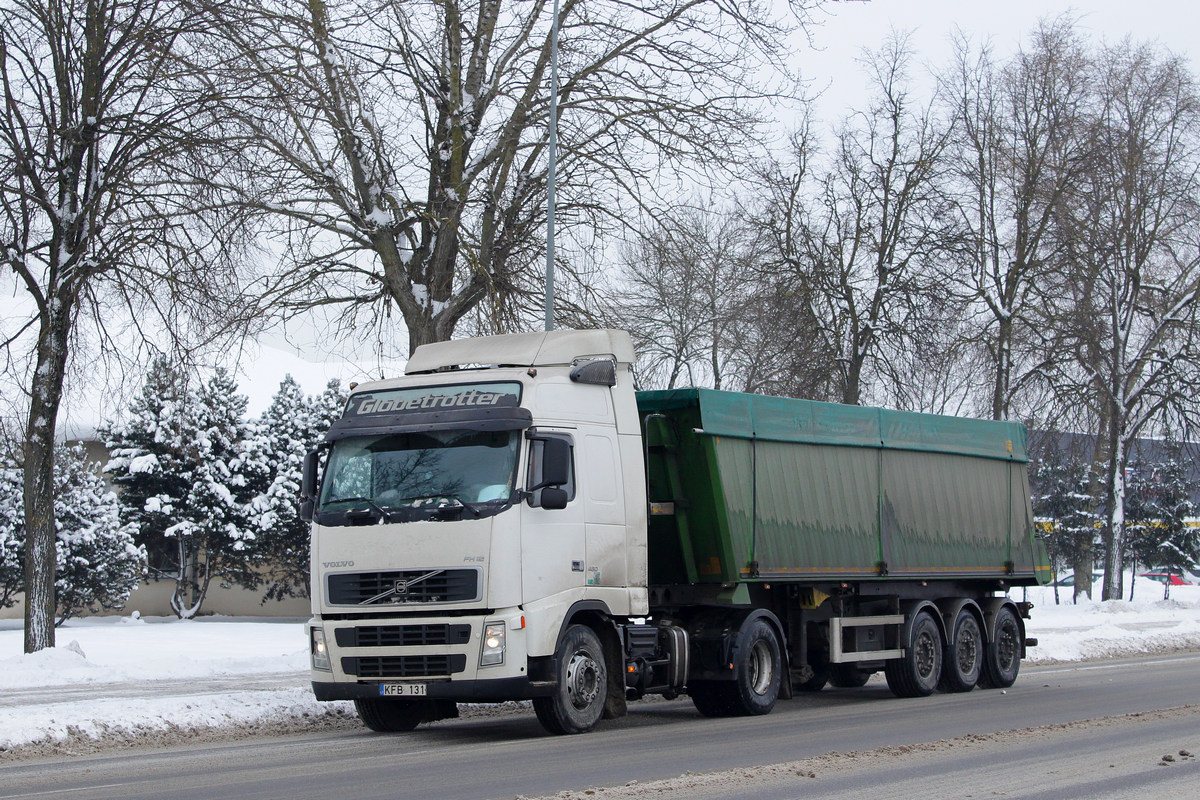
x=685, y=285
x=1133, y=240
x=402, y=146
x=1018, y=146
x=93, y=147
x=858, y=251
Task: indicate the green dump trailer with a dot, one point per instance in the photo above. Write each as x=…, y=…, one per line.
x=872, y=539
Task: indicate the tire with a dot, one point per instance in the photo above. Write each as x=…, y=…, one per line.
x=712, y=698
x=582, y=691
x=1002, y=656
x=848, y=676
x=963, y=663
x=391, y=714
x=758, y=670
x=816, y=683
x=918, y=672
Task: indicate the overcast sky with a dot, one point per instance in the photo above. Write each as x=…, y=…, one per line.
x=849, y=26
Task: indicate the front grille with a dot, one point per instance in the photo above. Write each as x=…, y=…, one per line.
x=395, y=587
x=402, y=635
x=403, y=666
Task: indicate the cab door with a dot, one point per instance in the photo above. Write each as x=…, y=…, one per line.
x=553, y=542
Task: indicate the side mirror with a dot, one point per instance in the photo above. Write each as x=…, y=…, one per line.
x=308, y=484
x=556, y=462
x=554, y=498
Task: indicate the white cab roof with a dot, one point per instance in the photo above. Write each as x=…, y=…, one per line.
x=549, y=348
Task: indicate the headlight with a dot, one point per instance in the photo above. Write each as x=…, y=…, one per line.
x=318, y=651
x=493, y=644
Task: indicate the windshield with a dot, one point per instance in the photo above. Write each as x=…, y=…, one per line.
x=400, y=477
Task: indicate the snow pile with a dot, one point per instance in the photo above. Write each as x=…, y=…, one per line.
x=1116, y=628
x=130, y=650
x=125, y=678
x=128, y=719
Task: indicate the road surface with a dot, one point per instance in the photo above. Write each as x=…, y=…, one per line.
x=1098, y=730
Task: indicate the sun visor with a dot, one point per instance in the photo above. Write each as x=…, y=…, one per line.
x=505, y=418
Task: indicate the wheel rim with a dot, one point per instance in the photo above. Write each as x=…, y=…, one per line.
x=967, y=649
x=925, y=653
x=1006, y=645
x=583, y=680
x=761, y=671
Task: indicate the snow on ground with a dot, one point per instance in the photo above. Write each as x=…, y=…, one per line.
x=125, y=678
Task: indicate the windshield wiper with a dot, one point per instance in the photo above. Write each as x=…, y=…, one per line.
x=384, y=515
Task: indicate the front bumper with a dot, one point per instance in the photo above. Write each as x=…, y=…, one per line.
x=475, y=691
x=441, y=653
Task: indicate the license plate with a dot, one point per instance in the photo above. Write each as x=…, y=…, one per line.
x=402, y=689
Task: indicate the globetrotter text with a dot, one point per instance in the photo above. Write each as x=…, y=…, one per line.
x=381, y=405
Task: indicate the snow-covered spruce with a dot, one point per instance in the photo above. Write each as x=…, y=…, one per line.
x=273, y=462
x=178, y=462
x=98, y=564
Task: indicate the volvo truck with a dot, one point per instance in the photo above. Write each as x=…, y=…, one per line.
x=511, y=520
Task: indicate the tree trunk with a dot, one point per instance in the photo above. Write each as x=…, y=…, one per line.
x=1003, y=376
x=852, y=391
x=1114, y=531
x=1084, y=559
x=40, y=534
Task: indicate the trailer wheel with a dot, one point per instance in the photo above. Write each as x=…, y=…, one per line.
x=578, y=701
x=848, y=676
x=391, y=714
x=964, y=654
x=1002, y=657
x=758, y=667
x=918, y=671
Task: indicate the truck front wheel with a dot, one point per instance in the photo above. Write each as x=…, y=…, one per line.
x=578, y=700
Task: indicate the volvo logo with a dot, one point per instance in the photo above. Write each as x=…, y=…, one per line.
x=400, y=586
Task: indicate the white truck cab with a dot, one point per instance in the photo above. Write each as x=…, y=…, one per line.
x=466, y=515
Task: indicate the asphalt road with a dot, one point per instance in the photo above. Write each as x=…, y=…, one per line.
x=877, y=741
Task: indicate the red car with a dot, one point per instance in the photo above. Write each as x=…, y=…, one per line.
x=1166, y=577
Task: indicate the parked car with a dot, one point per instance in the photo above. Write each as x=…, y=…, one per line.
x=1069, y=579
x=1170, y=578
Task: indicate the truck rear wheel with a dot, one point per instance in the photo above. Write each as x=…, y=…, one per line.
x=814, y=683
x=848, y=676
x=391, y=714
x=758, y=668
x=918, y=671
x=578, y=700
x=1002, y=657
x=964, y=654
x=712, y=698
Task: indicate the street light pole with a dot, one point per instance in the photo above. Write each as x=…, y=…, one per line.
x=553, y=134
